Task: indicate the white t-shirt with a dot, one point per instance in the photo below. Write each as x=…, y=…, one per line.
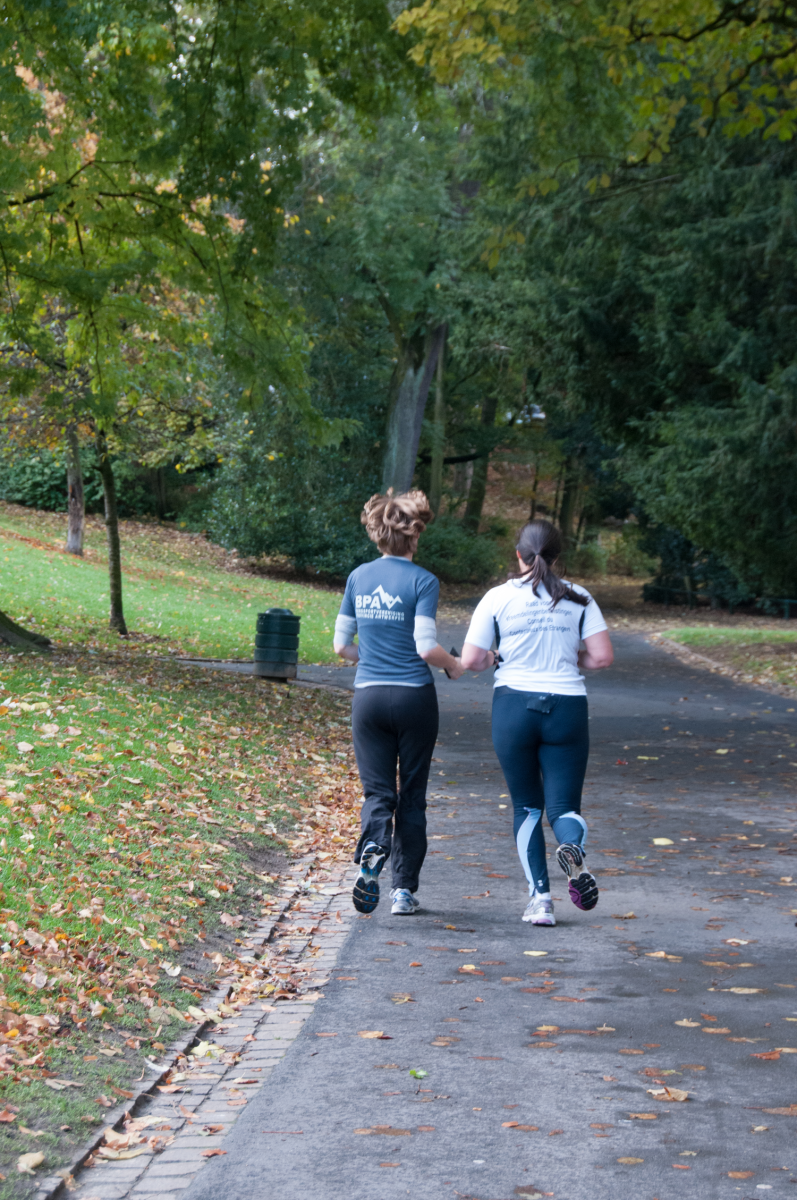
x=539, y=644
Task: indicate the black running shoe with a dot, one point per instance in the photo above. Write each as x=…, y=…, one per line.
x=581, y=885
x=365, y=896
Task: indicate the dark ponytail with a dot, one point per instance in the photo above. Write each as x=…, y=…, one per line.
x=539, y=544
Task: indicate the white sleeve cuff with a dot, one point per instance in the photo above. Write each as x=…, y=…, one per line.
x=345, y=629
x=425, y=634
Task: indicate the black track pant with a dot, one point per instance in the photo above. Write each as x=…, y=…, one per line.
x=395, y=726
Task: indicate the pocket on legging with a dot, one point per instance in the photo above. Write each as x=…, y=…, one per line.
x=541, y=702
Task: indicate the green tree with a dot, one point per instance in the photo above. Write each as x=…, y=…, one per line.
x=148, y=151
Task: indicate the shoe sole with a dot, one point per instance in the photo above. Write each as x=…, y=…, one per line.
x=365, y=894
x=546, y=920
x=403, y=912
x=583, y=891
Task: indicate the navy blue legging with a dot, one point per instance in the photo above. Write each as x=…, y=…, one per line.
x=542, y=743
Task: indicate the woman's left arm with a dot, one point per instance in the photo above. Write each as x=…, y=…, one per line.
x=597, y=652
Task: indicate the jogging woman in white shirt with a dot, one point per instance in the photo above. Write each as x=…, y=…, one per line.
x=540, y=730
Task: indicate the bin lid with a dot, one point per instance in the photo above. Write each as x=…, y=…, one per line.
x=282, y=612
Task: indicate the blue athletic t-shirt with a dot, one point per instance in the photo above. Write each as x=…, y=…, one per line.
x=385, y=597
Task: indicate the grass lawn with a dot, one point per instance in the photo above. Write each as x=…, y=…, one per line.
x=763, y=655
x=146, y=813
x=180, y=594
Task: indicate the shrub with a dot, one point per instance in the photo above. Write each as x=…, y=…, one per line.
x=588, y=561
x=627, y=556
x=456, y=556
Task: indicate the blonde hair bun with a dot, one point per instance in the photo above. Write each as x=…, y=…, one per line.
x=395, y=523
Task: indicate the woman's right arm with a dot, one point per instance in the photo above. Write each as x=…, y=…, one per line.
x=476, y=659
x=475, y=655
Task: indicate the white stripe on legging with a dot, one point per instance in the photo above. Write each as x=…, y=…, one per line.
x=523, y=839
x=576, y=817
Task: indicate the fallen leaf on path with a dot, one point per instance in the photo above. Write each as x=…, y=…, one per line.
x=385, y=1130
x=114, y=1155
x=663, y=842
x=211, y=1153
x=27, y=1163
x=629, y=916
x=627, y=1051
x=741, y=1174
x=715, y=1029
x=536, y=953
x=681, y=1167
x=688, y=1024
x=740, y=991
x=402, y=998
x=373, y=1033
x=630, y=1162
x=541, y=1045
x=644, y=1116
x=769, y=1055
x=668, y=1093
x=329, y=1035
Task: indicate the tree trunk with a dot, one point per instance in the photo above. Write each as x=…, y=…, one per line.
x=438, y=438
x=74, y=489
x=412, y=379
x=572, y=480
x=478, y=484
x=116, y=619
x=21, y=639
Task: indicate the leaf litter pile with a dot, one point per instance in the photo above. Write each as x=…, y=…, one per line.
x=146, y=815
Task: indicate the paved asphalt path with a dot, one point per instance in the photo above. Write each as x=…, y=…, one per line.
x=563, y=1030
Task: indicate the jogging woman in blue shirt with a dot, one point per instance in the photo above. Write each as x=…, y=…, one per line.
x=391, y=605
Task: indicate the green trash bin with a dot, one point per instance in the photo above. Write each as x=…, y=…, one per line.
x=277, y=644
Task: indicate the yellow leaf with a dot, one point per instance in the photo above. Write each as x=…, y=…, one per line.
x=663, y=842
x=27, y=1163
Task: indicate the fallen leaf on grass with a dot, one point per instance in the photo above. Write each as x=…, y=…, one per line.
x=7, y=1116
x=32, y=1132
x=374, y=1033
x=233, y=922
x=60, y=1085
x=27, y=1163
x=104, y=1101
x=211, y=1153
x=668, y=1093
